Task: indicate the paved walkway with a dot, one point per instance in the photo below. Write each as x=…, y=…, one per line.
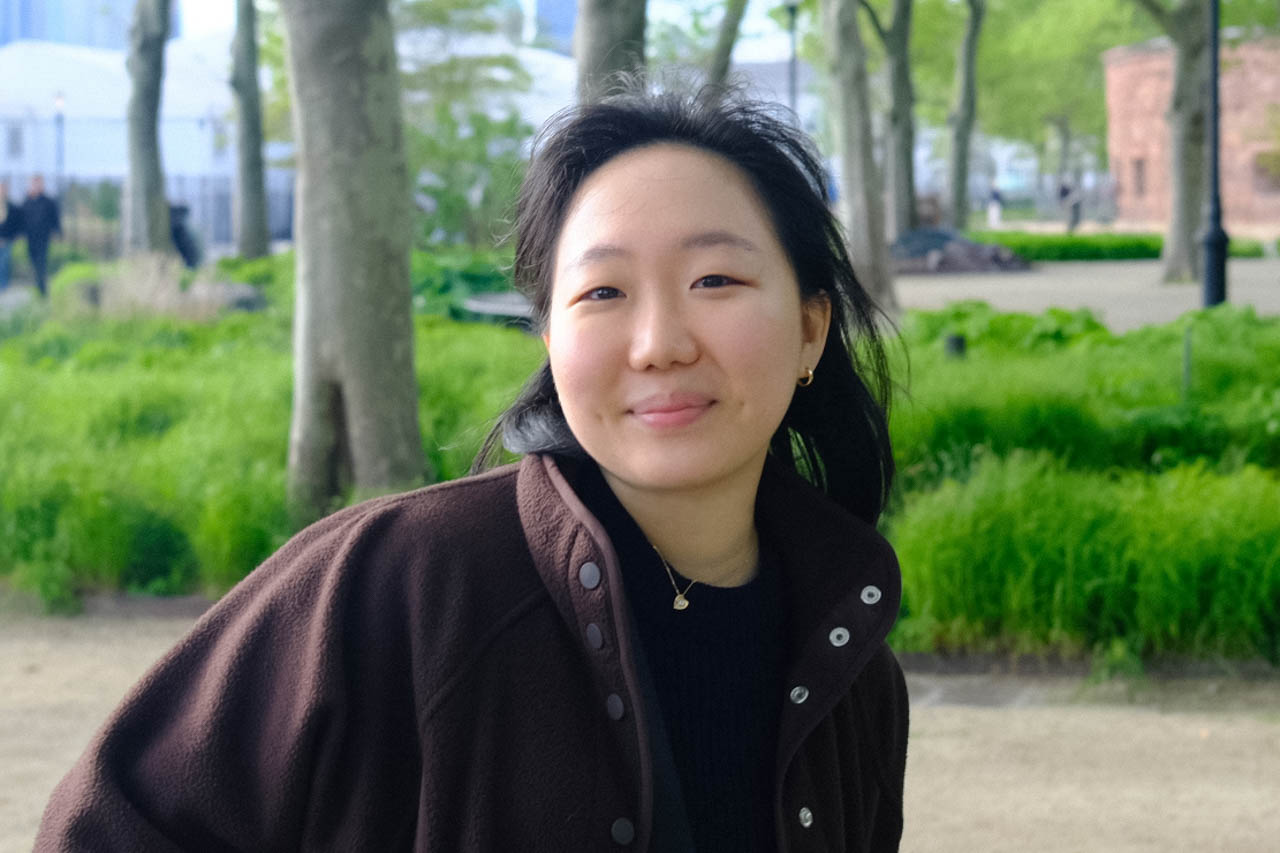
x=1125, y=294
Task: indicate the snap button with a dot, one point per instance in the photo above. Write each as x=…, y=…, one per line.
x=838, y=637
x=595, y=637
x=613, y=704
x=799, y=694
x=806, y=817
x=589, y=576
x=623, y=831
x=870, y=594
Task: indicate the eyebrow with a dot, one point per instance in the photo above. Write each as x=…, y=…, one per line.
x=701, y=240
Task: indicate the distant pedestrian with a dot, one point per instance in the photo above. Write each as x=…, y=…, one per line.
x=1069, y=199
x=995, y=207
x=10, y=228
x=183, y=238
x=40, y=222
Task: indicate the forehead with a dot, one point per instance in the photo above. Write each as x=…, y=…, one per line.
x=662, y=192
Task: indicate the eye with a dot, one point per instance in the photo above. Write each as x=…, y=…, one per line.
x=599, y=294
x=715, y=281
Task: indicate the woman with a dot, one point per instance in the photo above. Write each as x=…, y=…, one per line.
x=649, y=634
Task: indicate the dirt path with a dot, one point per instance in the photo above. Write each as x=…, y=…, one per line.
x=997, y=763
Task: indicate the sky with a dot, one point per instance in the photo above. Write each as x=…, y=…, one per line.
x=760, y=39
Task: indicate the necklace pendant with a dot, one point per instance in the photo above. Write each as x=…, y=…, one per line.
x=680, y=603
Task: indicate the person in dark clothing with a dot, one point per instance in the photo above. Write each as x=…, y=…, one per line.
x=183, y=238
x=40, y=223
x=661, y=631
x=10, y=228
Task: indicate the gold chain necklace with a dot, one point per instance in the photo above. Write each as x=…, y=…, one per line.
x=680, y=602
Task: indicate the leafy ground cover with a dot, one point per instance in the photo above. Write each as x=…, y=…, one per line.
x=1061, y=488
x=1035, y=246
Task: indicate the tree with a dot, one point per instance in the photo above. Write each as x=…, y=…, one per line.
x=609, y=37
x=355, y=414
x=465, y=135
x=722, y=53
x=1187, y=24
x=862, y=205
x=1044, y=43
x=251, y=187
x=963, y=115
x=146, y=210
x=896, y=39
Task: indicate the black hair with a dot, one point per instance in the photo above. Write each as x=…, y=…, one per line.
x=835, y=432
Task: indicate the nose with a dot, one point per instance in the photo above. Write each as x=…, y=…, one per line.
x=661, y=335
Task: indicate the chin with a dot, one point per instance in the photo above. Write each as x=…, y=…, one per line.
x=675, y=471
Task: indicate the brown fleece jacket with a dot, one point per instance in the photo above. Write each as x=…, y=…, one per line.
x=439, y=671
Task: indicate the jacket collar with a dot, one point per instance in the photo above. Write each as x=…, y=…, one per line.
x=842, y=589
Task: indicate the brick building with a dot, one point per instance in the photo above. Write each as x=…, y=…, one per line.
x=1139, y=84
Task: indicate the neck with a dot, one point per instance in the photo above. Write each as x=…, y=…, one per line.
x=707, y=535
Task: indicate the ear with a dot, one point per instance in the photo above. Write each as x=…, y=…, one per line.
x=815, y=322
x=546, y=340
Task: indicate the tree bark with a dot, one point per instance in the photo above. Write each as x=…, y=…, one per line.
x=1062, y=125
x=1187, y=117
x=1187, y=26
x=146, y=210
x=355, y=414
x=861, y=198
x=608, y=38
x=252, y=240
x=721, y=56
x=902, y=127
x=963, y=115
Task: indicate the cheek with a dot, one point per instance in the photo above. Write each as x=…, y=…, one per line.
x=579, y=367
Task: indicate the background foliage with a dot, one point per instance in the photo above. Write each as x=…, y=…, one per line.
x=1061, y=488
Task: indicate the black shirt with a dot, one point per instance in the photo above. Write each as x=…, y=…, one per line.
x=717, y=668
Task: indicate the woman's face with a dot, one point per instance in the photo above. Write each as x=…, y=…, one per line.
x=676, y=330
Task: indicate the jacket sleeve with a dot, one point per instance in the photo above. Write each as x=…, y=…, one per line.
x=888, y=715
x=249, y=734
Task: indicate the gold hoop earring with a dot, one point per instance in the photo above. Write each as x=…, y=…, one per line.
x=806, y=380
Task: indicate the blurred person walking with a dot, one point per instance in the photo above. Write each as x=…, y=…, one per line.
x=10, y=227
x=40, y=222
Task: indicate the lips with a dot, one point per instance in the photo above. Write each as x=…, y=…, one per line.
x=671, y=410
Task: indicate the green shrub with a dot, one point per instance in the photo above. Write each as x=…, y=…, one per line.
x=442, y=279
x=127, y=446
x=1030, y=556
x=1095, y=399
x=1035, y=246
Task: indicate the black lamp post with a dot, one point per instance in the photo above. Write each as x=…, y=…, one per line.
x=1214, y=239
x=59, y=125
x=792, y=10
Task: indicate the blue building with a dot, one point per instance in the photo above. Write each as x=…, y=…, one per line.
x=91, y=23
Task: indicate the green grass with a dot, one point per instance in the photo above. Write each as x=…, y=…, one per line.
x=1061, y=382
x=1027, y=555
x=149, y=455
x=1036, y=246
x=1060, y=488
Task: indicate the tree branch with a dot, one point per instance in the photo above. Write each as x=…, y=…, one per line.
x=1161, y=13
x=875, y=22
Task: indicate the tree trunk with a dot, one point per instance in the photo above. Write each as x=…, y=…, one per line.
x=1187, y=118
x=355, y=415
x=609, y=37
x=251, y=190
x=902, y=126
x=146, y=210
x=962, y=117
x=718, y=70
x=861, y=199
x=1063, y=127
